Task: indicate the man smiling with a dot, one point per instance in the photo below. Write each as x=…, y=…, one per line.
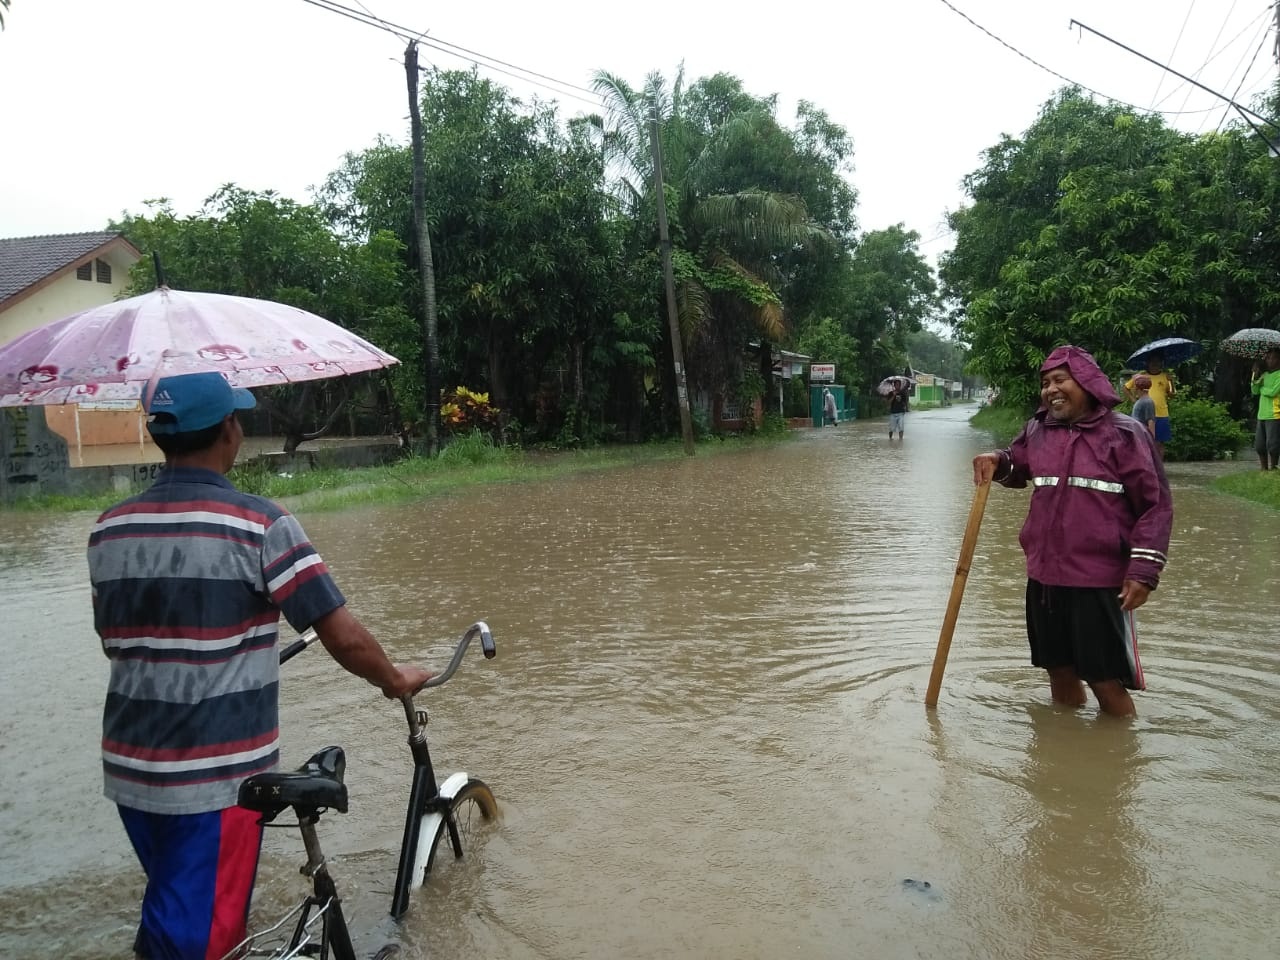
x=1096, y=534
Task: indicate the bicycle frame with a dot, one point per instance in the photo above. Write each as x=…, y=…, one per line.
x=425, y=795
x=427, y=801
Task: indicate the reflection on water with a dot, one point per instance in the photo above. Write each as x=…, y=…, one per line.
x=705, y=724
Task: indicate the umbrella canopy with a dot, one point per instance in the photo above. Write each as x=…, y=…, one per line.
x=1171, y=349
x=891, y=385
x=113, y=351
x=1251, y=343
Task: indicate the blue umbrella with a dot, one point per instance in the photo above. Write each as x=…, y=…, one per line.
x=1172, y=350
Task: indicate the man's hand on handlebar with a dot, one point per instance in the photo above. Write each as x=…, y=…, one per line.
x=408, y=679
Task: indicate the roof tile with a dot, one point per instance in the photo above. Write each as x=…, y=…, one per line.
x=28, y=260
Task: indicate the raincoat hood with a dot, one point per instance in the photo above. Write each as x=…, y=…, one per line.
x=1085, y=371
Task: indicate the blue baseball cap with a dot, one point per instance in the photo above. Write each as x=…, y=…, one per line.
x=194, y=401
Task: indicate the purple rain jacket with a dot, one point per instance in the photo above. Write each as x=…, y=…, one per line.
x=1100, y=508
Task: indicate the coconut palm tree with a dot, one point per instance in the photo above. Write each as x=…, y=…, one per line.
x=729, y=232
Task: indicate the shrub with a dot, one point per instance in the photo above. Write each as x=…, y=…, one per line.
x=463, y=411
x=1202, y=430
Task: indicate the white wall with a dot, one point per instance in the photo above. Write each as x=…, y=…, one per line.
x=65, y=296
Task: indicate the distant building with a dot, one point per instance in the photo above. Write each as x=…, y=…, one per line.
x=46, y=278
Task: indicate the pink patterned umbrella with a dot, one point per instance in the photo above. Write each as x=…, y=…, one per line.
x=112, y=352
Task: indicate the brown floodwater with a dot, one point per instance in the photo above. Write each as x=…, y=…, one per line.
x=705, y=724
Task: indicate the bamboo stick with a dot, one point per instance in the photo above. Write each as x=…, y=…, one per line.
x=957, y=592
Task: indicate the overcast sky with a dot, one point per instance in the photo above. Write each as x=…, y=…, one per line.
x=106, y=104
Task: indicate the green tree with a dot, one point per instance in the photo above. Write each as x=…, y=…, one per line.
x=527, y=258
x=881, y=293
x=733, y=208
x=1109, y=230
x=932, y=353
x=825, y=341
x=262, y=245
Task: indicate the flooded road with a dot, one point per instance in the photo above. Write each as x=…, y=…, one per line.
x=705, y=724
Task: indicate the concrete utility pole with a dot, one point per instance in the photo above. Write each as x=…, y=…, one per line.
x=673, y=319
x=426, y=268
x=1277, y=47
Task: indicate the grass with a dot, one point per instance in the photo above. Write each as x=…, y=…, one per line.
x=1256, y=485
x=466, y=462
x=1002, y=422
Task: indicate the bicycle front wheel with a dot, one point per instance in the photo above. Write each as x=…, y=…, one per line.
x=473, y=809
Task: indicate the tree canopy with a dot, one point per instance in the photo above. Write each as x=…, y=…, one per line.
x=544, y=245
x=1109, y=229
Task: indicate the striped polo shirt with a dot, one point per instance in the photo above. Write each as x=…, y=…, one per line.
x=189, y=581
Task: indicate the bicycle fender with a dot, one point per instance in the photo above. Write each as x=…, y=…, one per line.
x=453, y=784
x=427, y=830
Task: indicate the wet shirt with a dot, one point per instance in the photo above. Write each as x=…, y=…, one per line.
x=1144, y=410
x=1267, y=389
x=1158, y=392
x=189, y=580
x=898, y=404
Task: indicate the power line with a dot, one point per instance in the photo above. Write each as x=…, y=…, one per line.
x=1244, y=112
x=1266, y=31
x=1049, y=70
x=1212, y=47
x=403, y=37
x=1229, y=44
x=470, y=56
x=1181, y=30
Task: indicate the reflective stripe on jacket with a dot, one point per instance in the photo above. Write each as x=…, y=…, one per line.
x=1100, y=509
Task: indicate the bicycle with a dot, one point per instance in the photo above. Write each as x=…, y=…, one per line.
x=451, y=808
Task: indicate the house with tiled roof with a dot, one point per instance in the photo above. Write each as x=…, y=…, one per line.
x=46, y=278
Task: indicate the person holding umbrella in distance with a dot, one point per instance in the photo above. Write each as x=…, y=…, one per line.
x=1160, y=390
x=1096, y=535
x=1265, y=385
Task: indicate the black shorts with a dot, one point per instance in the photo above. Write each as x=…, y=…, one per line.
x=1083, y=627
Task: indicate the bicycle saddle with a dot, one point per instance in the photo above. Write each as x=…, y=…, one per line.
x=315, y=785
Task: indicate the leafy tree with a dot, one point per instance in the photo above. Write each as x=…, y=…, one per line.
x=882, y=292
x=1110, y=230
x=936, y=354
x=734, y=212
x=262, y=245
x=526, y=255
x=826, y=341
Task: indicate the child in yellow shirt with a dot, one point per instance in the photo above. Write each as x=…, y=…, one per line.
x=1160, y=391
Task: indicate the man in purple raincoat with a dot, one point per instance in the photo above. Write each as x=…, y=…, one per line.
x=1096, y=534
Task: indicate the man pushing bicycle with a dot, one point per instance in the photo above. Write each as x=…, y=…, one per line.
x=189, y=581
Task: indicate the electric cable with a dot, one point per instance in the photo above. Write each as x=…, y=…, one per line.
x=1181, y=30
x=1199, y=70
x=1212, y=47
x=524, y=74
x=1243, y=77
x=1050, y=70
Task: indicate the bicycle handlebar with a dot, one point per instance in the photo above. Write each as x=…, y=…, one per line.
x=479, y=628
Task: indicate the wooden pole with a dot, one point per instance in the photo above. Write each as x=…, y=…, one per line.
x=957, y=592
x=427, y=318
